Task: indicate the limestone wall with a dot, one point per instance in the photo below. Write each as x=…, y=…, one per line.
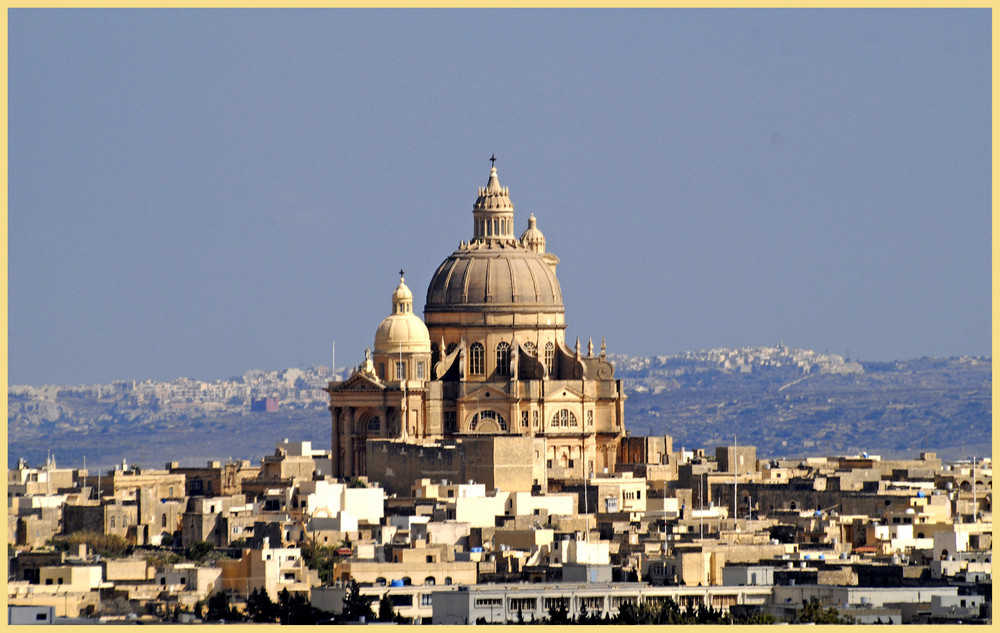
x=504, y=462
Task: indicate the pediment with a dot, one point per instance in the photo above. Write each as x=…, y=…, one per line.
x=564, y=393
x=487, y=393
x=361, y=381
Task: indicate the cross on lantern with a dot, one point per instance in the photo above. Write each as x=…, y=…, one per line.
x=493, y=160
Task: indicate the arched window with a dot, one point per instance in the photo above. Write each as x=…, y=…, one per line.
x=550, y=352
x=564, y=417
x=476, y=355
x=112, y=522
x=429, y=580
x=530, y=348
x=451, y=348
x=374, y=425
x=435, y=354
x=488, y=415
x=503, y=358
x=163, y=522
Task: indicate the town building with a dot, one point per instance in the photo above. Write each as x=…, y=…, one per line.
x=272, y=569
x=526, y=602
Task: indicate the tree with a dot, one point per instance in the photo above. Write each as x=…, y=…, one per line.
x=199, y=550
x=813, y=611
x=386, y=611
x=357, y=606
x=320, y=557
x=293, y=608
x=755, y=617
x=666, y=612
x=260, y=607
x=218, y=609
x=107, y=545
x=559, y=613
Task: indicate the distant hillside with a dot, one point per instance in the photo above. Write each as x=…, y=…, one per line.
x=892, y=408
x=786, y=402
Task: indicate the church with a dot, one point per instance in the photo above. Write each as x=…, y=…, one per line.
x=488, y=363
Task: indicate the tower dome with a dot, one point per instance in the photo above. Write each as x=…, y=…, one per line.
x=402, y=331
x=532, y=237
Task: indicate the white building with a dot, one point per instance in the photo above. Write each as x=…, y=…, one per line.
x=956, y=607
x=502, y=603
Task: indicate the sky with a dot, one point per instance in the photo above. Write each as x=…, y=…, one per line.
x=202, y=192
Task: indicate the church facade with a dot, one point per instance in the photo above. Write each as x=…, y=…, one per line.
x=489, y=358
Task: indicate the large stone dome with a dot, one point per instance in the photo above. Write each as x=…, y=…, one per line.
x=485, y=279
x=495, y=271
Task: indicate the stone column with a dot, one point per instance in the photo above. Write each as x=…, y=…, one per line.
x=335, y=442
x=383, y=414
x=349, y=470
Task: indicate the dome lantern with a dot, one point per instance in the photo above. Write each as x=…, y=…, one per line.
x=402, y=298
x=493, y=212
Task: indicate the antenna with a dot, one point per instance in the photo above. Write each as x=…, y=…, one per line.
x=975, y=506
x=736, y=475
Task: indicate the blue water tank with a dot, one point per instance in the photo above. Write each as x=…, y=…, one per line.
x=396, y=583
x=476, y=549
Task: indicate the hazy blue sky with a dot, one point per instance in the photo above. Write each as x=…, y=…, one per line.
x=198, y=193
